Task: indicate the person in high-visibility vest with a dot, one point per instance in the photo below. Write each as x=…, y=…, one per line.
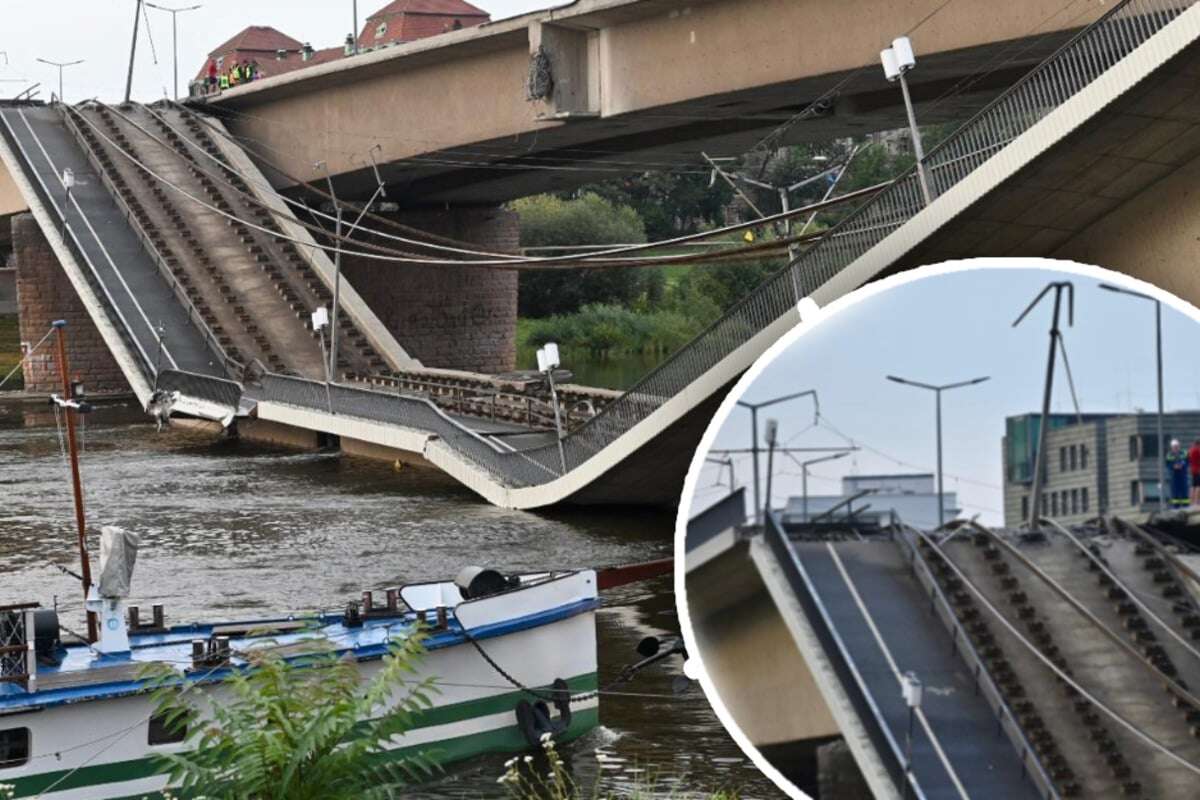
x=235, y=75
x=223, y=81
x=1177, y=467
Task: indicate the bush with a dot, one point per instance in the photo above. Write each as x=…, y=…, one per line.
x=603, y=330
x=549, y=221
x=297, y=730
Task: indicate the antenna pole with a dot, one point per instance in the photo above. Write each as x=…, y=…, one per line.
x=76, y=483
x=137, y=16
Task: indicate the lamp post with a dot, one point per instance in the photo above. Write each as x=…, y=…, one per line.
x=937, y=390
x=754, y=407
x=548, y=361
x=772, y=439
x=898, y=60
x=61, y=66
x=174, y=12
x=1162, y=466
x=804, y=465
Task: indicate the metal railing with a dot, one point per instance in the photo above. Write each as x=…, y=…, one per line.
x=1075, y=65
x=201, y=387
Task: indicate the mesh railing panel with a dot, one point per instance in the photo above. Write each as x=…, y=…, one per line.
x=202, y=387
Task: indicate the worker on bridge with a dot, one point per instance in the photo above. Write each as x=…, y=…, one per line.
x=1194, y=468
x=1177, y=466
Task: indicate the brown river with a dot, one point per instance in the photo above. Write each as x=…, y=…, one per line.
x=234, y=530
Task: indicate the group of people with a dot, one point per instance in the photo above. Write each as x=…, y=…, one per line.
x=239, y=72
x=1185, y=474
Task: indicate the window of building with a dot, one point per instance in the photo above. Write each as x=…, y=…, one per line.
x=1074, y=457
x=1074, y=501
x=1135, y=493
x=1045, y=505
x=14, y=747
x=1054, y=504
x=1133, y=448
x=1083, y=456
x=1083, y=500
x=161, y=732
x=1150, y=447
x=381, y=30
x=1025, y=507
x=1062, y=459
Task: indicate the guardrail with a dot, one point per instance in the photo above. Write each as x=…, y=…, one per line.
x=230, y=365
x=201, y=387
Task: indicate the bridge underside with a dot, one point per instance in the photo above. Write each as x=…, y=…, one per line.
x=637, y=85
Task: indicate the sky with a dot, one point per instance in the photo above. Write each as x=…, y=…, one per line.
x=99, y=31
x=941, y=330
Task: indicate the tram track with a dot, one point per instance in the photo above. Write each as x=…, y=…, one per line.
x=1115, y=638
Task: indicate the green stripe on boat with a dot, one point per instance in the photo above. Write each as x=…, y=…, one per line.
x=504, y=740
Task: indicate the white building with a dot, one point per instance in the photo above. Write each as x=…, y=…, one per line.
x=910, y=498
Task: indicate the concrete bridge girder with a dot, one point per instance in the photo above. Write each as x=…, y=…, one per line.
x=634, y=80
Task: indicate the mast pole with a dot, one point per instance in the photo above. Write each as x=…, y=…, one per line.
x=76, y=483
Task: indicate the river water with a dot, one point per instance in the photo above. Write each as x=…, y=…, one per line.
x=233, y=530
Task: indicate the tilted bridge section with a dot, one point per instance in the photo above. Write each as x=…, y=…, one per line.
x=228, y=274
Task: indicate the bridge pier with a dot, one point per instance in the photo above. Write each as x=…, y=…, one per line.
x=444, y=316
x=45, y=294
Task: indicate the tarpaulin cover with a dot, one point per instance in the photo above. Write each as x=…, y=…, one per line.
x=118, y=552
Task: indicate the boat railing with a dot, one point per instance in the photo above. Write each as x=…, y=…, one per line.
x=18, y=659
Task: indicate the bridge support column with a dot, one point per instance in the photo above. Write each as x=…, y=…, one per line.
x=45, y=294
x=448, y=317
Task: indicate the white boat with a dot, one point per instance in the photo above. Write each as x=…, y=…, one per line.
x=85, y=729
x=512, y=658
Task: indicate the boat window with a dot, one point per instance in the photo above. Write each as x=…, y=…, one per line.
x=163, y=733
x=14, y=747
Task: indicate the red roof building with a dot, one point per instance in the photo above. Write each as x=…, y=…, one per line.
x=400, y=21
x=408, y=20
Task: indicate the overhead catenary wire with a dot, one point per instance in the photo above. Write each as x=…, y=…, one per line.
x=697, y=237
x=594, y=261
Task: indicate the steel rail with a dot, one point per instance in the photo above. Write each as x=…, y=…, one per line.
x=1027, y=754
x=1145, y=609
x=1062, y=674
x=1177, y=685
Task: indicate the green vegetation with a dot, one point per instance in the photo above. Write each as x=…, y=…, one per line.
x=616, y=313
x=300, y=730
x=10, y=351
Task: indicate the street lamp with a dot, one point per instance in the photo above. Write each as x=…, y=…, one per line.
x=772, y=439
x=1162, y=465
x=174, y=12
x=804, y=465
x=754, y=407
x=898, y=60
x=61, y=65
x=380, y=191
x=548, y=361
x=937, y=390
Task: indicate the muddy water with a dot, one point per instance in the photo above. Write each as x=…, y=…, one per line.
x=232, y=530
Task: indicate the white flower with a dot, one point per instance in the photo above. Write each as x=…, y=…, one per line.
x=528, y=759
x=546, y=737
x=508, y=764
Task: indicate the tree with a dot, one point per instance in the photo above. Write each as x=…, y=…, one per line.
x=550, y=221
x=301, y=730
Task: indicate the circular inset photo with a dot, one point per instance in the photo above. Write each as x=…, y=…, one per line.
x=943, y=541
